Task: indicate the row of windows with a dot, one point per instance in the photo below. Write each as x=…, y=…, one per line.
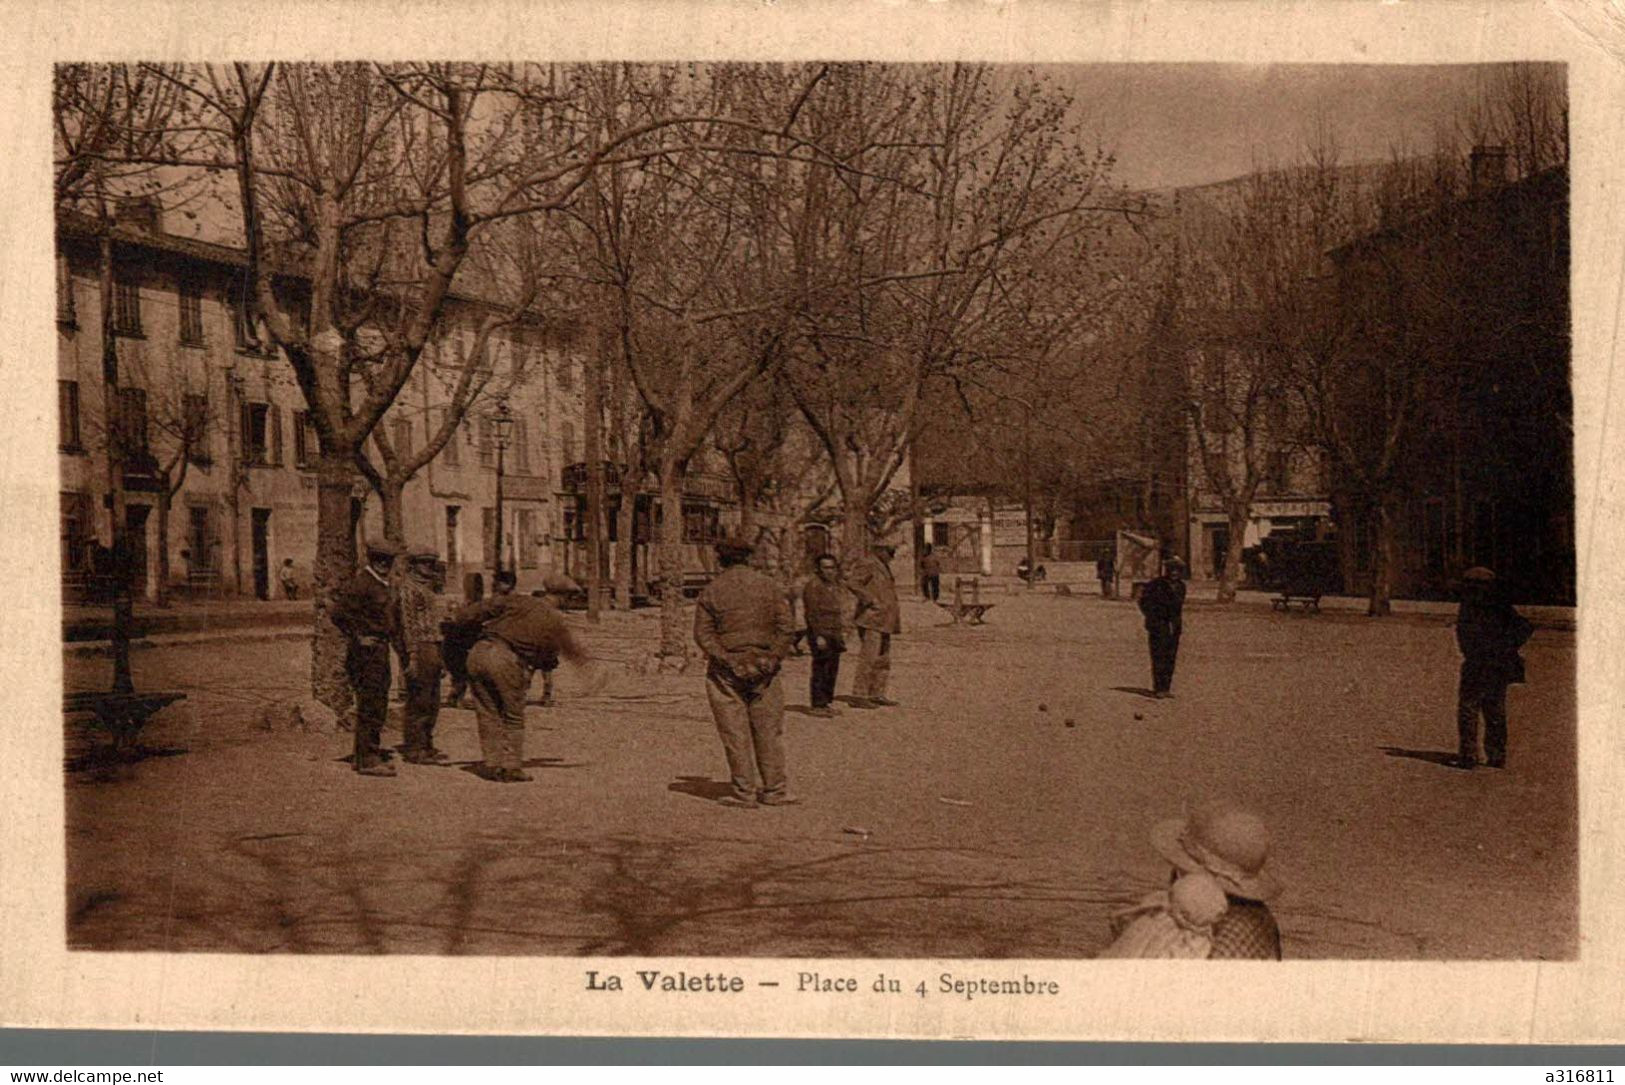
x=261, y=427
x=250, y=336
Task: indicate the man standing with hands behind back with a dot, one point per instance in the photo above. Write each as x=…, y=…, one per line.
x=743, y=625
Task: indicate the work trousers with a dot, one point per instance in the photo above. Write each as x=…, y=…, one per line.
x=1483, y=692
x=1105, y=589
x=874, y=664
x=751, y=724
x=826, y=665
x=422, y=698
x=1164, y=652
x=499, y=681
x=931, y=587
x=368, y=671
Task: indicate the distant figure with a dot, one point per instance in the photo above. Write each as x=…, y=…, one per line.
x=1106, y=571
x=1163, y=604
x=878, y=619
x=742, y=623
x=930, y=574
x=822, y=602
x=1175, y=923
x=1490, y=634
x=290, y=586
x=1232, y=846
x=365, y=613
x=514, y=636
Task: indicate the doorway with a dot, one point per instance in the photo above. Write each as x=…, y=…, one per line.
x=135, y=530
x=1219, y=547
x=262, y=553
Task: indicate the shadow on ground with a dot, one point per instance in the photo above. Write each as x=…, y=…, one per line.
x=1448, y=758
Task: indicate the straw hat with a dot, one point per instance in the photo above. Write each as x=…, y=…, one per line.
x=1227, y=842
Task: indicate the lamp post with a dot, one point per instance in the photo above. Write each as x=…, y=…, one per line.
x=502, y=432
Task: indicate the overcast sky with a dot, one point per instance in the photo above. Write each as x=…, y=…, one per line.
x=1183, y=124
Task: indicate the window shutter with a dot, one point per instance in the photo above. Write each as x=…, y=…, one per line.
x=273, y=422
x=245, y=433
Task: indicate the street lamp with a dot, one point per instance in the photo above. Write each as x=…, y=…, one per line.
x=502, y=432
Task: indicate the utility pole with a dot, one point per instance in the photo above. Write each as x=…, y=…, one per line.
x=123, y=553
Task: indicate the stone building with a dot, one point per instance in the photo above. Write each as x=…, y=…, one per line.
x=193, y=376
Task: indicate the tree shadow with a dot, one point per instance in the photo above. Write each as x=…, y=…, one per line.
x=1448, y=758
x=701, y=787
x=1138, y=691
x=103, y=757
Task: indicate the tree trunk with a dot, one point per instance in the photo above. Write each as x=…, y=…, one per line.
x=1382, y=560
x=1230, y=571
x=625, y=545
x=592, y=419
x=855, y=537
x=673, y=629
x=335, y=564
x=391, y=501
x=164, y=502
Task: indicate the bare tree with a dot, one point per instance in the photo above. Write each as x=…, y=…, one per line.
x=998, y=179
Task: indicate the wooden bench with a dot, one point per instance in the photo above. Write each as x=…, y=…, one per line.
x=1309, y=601
x=972, y=611
x=121, y=715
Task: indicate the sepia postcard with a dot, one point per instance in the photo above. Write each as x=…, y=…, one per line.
x=1024, y=520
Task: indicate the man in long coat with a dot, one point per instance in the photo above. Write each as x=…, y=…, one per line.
x=878, y=619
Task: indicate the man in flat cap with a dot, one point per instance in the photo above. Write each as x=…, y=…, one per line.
x=514, y=636
x=556, y=589
x=420, y=633
x=365, y=613
x=744, y=627
x=878, y=620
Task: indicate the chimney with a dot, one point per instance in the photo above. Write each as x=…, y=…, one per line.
x=1487, y=167
x=142, y=213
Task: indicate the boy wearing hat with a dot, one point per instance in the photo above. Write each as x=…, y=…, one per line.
x=743, y=625
x=1490, y=634
x=1232, y=846
x=878, y=619
x=365, y=613
x=420, y=631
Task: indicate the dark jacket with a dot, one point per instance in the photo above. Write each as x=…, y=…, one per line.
x=1489, y=635
x=366, y=608
x=1163, y=603
x=930, y=565
x=823, y=603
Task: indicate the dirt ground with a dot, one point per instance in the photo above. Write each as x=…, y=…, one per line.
x=971, y=822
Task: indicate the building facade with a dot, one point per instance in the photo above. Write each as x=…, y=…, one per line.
x=213, y=417
x=1487, y=475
